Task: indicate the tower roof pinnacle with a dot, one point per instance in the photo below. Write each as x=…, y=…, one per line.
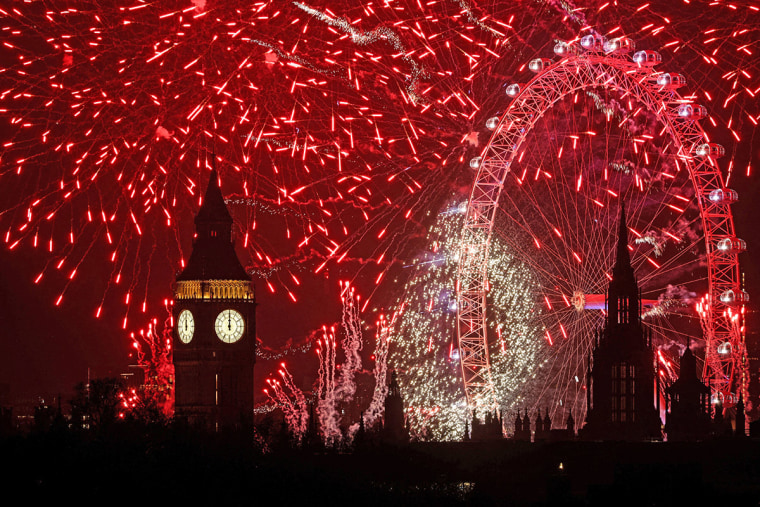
x=213, y=256
x=213, y=208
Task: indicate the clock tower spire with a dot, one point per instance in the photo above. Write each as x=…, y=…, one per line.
x=215, y=324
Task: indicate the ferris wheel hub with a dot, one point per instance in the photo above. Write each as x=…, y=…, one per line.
x=578, y=300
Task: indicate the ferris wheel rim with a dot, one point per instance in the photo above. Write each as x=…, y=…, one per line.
x=540, y=94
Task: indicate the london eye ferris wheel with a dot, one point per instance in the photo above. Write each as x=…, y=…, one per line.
x=600, y=126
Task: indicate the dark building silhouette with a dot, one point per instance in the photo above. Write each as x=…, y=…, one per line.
x=688, y=403
x=621, y=384
x=740, y=429
x=360, y=439
x=721, y=426
x=394, y=427
x=215, y=325
x=730, y=420
x=522, y=428
x=544, y=430
x=559, y=434
x=570, y=425
x=539, y=427
x=312, y=439
x=518, y=432
x=490, y=428
x=754, y=429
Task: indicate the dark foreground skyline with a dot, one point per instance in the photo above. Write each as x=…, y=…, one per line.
x=172, y=464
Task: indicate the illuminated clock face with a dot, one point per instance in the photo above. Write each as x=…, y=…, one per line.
x=185, y=326
x=229, y=326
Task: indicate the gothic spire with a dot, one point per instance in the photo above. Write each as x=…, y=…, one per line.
x=213, y=208
x=688, y=369
x=623, y=257
x=213, y=256
x=623, y=293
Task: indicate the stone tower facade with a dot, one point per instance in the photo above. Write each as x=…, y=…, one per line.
x=214, y=325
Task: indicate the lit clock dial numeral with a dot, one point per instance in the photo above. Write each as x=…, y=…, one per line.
x=229, y=326
x=185, y=326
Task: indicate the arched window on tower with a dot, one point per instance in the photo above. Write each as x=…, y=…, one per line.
x=623, y=392
x=622, y=313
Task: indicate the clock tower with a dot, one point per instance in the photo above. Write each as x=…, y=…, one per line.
x=215, y=325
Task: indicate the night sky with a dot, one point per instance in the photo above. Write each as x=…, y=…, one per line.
x=363, y=222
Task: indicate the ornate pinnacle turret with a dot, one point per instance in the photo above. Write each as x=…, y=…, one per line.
x=570, y=424
x=623, y=257
x=688, y=368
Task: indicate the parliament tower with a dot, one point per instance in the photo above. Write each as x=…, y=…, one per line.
x=621, y=393
x=688, y=403
x=215, y=325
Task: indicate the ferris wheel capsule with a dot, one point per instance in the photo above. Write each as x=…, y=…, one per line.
x=513, y=90
x=475, y=162
x=647, y=58
x=711, y=150
x=732, y=245
x=620, y=45
x=492, y=123
x=692, y=111
x=723, y=196
x=734, y=297
x=539, y=64
x=592, y=42
x=561, y=48
x=671, y=80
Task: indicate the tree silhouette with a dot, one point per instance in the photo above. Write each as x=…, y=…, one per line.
x=96, y=405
